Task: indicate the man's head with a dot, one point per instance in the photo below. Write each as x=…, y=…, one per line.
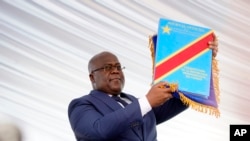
x=105, y=73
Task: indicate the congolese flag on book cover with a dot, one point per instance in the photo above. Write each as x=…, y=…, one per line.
x=181, y=57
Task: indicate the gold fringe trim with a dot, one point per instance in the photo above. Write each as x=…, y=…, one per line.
x=199, y=107
x=215, y=75
x=195, y=105
x=152, y=50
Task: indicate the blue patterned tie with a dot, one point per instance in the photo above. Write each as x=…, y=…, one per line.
x=118, y=99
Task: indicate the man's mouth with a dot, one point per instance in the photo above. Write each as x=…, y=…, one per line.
x=115, y=79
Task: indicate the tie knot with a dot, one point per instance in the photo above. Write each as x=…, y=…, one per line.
x=118, y=99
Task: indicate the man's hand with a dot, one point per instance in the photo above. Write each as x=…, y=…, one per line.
x=214, y=46
x=158, y=94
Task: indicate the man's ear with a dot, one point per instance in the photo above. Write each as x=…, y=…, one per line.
x=91, y=77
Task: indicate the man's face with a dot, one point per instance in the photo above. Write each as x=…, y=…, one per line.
x=107, y=75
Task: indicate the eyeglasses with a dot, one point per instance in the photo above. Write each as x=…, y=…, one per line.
x=109, y=68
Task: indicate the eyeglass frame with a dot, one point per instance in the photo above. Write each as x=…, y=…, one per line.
x=109, y=68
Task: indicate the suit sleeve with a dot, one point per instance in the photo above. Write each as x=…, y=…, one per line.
x=88, y=122
x=168, y=110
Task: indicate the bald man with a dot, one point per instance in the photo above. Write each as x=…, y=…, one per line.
x=109, y=114
x=98, y=116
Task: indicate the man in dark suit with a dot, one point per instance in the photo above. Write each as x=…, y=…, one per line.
x=102, y=116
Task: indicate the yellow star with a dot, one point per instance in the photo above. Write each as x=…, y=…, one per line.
x=166, y=29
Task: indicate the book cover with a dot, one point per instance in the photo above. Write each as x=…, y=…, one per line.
x=182, y=56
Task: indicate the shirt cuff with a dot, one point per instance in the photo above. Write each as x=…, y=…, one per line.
x=144, y=105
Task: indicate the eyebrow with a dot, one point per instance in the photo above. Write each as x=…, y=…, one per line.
x=113, y=63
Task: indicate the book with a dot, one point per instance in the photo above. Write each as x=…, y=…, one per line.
x=182, y=56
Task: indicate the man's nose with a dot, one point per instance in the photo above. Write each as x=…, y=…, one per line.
x=115, y=69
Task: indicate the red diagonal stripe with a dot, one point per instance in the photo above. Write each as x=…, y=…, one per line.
x=182, y=56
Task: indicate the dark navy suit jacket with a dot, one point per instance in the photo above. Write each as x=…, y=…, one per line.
x=98, y=117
